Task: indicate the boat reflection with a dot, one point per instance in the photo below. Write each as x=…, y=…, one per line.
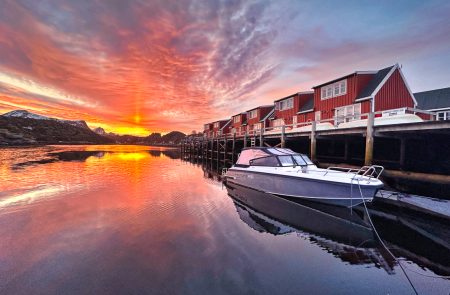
x=339, y=231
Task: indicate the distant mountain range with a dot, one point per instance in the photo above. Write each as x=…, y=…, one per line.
x=21, y=127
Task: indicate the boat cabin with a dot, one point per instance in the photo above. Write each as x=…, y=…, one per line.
x=361, y=92
x=271, y=157
x=258, y=118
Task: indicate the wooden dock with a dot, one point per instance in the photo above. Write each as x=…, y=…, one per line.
x=411, y=152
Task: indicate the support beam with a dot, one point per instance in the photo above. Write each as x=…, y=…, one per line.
x=245, y=139
x=233, y=151
x=402, y=152
x=261, y=138
x=313, y=142
x=283, y=137
x=369, y=140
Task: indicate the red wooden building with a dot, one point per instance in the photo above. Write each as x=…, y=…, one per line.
x=289, y=109
x=258, y=118
x=220, y=127
x=362, y=92
x=207, y=129
x=238, y=123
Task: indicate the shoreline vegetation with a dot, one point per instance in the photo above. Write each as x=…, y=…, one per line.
x=22, y=128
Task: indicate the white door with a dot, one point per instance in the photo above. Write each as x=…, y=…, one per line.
x=294, y=121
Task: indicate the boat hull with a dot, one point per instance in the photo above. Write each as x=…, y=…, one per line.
x=335, y=193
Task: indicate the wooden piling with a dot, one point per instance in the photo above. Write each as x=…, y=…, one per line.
x=369, y=140
x=245, y=139
x=261, y=138
x=283, y=137
x=233, y=146
x=313, y=141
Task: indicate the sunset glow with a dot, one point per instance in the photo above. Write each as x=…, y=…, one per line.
x=154, y=66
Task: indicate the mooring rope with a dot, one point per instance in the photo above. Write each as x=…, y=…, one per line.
x=387, y=249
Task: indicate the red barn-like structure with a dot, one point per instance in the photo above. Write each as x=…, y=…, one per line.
x=238, y=123
x=363, y=92
x=220, y=127
x=258, y=118
x=292, y=109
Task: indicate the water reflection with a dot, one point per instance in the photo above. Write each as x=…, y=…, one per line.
x=130, y=221
x=339, y=231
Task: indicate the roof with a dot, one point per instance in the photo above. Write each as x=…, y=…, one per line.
x=260, y=107
x=433, y=99
x=268, y=115
x=373, y=84
x=308, y=105
x=297, y=93
x=226, y=124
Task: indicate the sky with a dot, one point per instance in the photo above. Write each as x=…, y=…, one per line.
x=139, y=67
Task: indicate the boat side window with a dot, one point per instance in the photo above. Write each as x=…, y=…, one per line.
x=307, y=160
x=286, y=160
x=265, y=161
x=299, y=160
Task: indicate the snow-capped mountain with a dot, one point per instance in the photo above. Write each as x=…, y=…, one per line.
x=28, y=115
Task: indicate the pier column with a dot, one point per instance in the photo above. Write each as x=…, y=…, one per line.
x=225, y=150
x=313, y=141
x=283, y=137
x=369, y=139
x=233, y=146
x=261, y=138
x=245, y=139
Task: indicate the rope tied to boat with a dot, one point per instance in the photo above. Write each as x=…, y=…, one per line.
x=402, y=267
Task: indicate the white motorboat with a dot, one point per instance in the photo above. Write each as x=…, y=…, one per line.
x=283, y=172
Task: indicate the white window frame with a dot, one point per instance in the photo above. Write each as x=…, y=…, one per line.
x=336, y=89
x=253, y=114
x=443, y=116
x=285, y=104
x=216, y=125
x=236, y=119
x=340, y=113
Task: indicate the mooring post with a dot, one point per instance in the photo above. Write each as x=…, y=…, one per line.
x=313, y=141
x=261, y=140
x=225, y=151
x=347, y=150
x=245, y=139
x=369, y=139
x=283, y=139
x=233, y=148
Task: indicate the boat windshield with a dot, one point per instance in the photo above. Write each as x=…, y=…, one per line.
x=272, y=157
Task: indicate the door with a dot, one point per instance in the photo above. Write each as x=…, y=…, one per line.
x=317, y=116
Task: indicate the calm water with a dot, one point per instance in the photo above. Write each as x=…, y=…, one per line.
x=138, y=220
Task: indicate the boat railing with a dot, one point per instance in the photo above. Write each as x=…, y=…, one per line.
x=372, y=171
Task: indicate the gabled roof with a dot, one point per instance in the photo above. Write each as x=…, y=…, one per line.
x=260, y=107
x=297, y=93
x=375, y=82
x=268, y=115
x=433, y=99
x=226, y=124
x=308, y=106
x=346, y=76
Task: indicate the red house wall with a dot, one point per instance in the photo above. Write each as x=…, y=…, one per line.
x=262, y=112
x=327, y=106
x=305, y=117
x=299, y=101
x=393, y=94
x=238, y=124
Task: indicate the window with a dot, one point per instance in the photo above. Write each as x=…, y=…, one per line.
x=286, y=160
x=342, y=113
x=206, y=127
x=441, y=116
x=253, y=114
x=216, y=125
x=336, y=89
x=257, y=126
x=265, y=161
x=285, y=104
x=236, y=119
